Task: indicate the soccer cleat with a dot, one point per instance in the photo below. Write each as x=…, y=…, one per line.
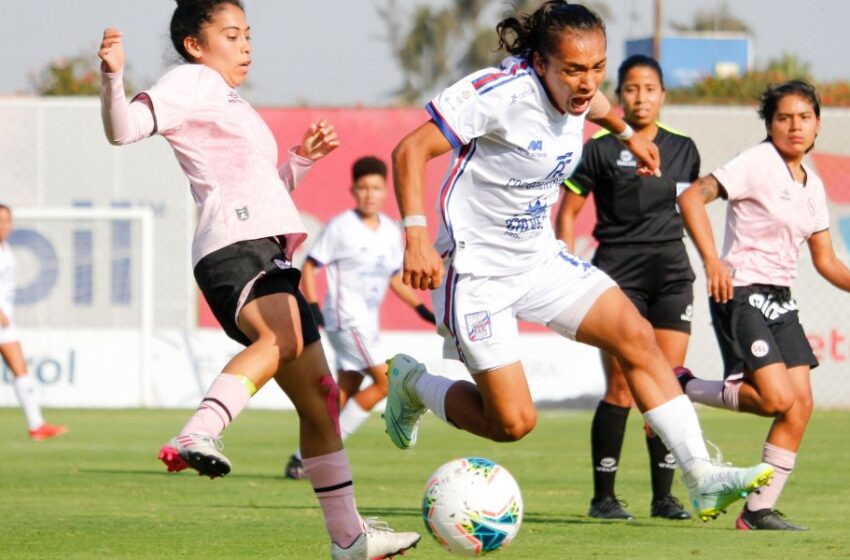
x=378, y=542
x=404, y=410
x=202, y=452
x=683, y=376
x=295, y=469
x=669, y=507
x=765, y=520
x=718, y=486
x=47, y=431
x=609, y=507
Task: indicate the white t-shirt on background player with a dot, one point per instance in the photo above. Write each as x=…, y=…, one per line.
x=224, y=147
x=7, y=292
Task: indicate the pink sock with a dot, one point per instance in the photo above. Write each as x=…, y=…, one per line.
x=225, y=399
x=330, y=476
x=783, y=463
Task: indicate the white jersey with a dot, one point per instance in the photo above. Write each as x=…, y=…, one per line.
x=360, y=262
x=7, y=280
x=512, y=151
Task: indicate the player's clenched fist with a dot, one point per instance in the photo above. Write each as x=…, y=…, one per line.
x=111, y=51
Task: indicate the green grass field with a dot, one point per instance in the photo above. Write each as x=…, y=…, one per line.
x=99, y=492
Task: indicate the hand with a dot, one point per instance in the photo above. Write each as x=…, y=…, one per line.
x=111, y=51
x=719, y=280
x=4, y=320
x=423, y=267
x=319, y=140
x=646, y=152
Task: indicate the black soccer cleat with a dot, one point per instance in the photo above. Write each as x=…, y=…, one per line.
x=683, y=376
x=609, y=507
x=765, y=520
x=295, y=469
x=669, y=507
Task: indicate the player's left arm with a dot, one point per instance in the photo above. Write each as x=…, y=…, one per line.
x=603, y=114
x=826, y=262
x=409, y=297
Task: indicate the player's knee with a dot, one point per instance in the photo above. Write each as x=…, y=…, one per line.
x=636, y=342
x=779, y=402
x=516, y=428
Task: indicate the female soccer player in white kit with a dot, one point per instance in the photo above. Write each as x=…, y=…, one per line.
x=776, y=203
x=516, y=135
x=10, y=347
x=247, y=230
x=361, y=250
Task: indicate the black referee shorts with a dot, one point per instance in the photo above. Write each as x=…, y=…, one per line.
x=657, y=277
x=223, y=275
x=760, y=326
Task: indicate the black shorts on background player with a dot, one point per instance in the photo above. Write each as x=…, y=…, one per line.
x=223, y=274
x=665, y=296
x=760, y=326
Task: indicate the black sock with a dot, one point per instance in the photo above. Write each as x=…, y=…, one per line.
x=662, y=467
x=606, y=442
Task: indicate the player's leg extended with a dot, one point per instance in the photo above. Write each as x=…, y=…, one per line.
x=662, y=465
x=607, y=431
x=780, y=450
x=24, y=386
x=614, y=325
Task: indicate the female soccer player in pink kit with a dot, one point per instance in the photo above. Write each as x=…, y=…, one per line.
x=248, y=228
x=776, y=203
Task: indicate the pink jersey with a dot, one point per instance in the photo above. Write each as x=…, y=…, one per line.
x=769, y=216
x=226, y=151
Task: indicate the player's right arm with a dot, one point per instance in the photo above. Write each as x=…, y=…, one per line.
x=123, y=122
x=692, y=204
x=423, y=267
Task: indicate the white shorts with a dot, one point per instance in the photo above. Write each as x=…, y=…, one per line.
x=9, y=334
x=355, y=349
x=477, y=315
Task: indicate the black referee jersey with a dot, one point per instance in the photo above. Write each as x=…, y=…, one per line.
x=630, y=208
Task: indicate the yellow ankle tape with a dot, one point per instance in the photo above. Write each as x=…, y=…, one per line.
x=252, y=389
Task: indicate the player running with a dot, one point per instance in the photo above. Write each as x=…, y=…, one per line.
x=10, y=347
x=516, y=135
x=248, y=228
x=639, y=230
x=776, y=202
x=362, y=252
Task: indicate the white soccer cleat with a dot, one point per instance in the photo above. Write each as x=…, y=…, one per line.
x=404, y=410
x=202, y=452
x=378, y=542
x=718, y=486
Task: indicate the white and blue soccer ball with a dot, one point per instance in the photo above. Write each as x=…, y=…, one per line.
x=472, y=506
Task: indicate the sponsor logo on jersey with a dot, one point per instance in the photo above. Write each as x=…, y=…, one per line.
x=563, y=160
x=517, y=96
x=769, y=307
x=534, y=150
x=786, y=194
x=759, y=348
x=528, y=224
x=535, y=146
x=626, y=159
x=688, y=315
x=242, y=213
x=478, y=326
x=514, y=183
x=233, y=97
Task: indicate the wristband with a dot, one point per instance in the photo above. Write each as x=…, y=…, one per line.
x=627, y=133
x=414, y=220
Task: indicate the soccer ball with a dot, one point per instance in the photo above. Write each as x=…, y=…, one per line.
x=472, y=506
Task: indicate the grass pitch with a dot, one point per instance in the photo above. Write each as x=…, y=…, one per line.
x=100, y=493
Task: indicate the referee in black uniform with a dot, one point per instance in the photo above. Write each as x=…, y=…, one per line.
x=639, y=231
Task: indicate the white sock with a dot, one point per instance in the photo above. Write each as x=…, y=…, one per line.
x=297, y=454
x=25, y=391
x=351, y=417
x=676, y=423
x=718, y=394
x=432, y=391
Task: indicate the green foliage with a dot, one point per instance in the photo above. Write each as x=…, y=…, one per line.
x=78, y=75
x=100, y=493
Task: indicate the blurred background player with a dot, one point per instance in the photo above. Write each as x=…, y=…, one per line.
x=10, y=347
x=248, y=228
x=516, y=134
x=639, y=231
x=362, y=252
x=776, y=203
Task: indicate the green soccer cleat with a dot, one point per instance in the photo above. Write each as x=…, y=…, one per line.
x=718, y=486
x=404, y=410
